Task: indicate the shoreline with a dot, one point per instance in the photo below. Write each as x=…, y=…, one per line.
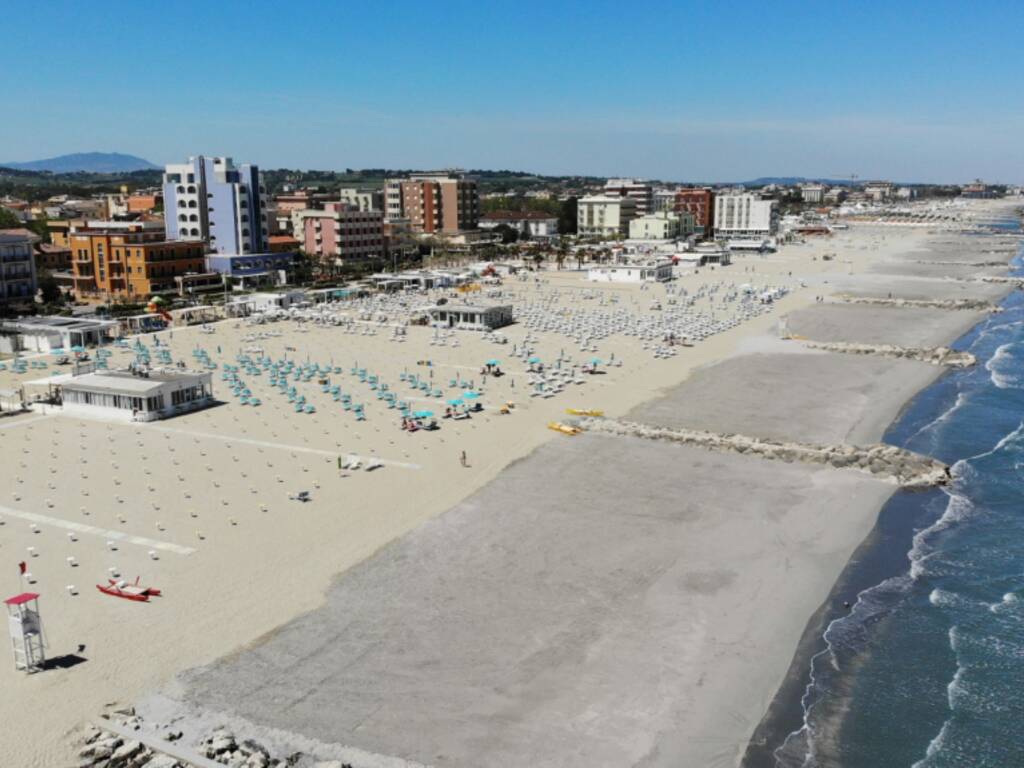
x=881, y=556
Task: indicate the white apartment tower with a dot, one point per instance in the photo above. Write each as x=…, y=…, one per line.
x=209, y=198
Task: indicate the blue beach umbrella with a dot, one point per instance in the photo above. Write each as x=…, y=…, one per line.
x=595, y=361
x=423, y=414
x=471, y=395
x=494, y=362
x=455, y=401
x=534, y=359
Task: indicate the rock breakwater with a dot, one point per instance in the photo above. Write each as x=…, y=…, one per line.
x=961, y=304
x=934, y=355
x=896, y=465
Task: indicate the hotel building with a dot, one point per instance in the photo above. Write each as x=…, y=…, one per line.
x=129, y=260
x=341, y=232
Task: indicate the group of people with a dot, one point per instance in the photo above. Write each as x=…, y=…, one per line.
x=411, y=424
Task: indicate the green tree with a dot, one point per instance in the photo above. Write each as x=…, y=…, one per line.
x=39, y=226
x=49, y=289
x=8, y=220
x=508, y=234
x=567, y=215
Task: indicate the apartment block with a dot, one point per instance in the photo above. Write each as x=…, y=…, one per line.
x=604, y=215
x=17, y=265
x=636, y=189
x=210, y=199
x=362, y=199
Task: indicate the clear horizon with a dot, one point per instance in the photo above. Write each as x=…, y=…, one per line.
x=908, y=94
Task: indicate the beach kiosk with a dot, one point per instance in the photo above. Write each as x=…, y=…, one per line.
x=26, y=630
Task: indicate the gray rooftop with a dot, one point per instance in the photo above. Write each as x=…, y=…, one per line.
x=125, y=381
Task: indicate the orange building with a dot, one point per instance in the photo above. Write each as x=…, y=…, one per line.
x=129, y=260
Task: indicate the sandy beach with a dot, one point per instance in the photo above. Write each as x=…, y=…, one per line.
x=563, y=601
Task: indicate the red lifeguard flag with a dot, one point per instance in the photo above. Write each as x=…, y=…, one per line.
x=22, y=567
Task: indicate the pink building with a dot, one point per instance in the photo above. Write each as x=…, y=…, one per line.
x=341, y=233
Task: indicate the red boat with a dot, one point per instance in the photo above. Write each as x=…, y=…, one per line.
x=128, y=591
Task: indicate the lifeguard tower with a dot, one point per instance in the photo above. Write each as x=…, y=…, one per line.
x=26, y=629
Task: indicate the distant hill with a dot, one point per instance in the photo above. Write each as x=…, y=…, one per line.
x=88, y=162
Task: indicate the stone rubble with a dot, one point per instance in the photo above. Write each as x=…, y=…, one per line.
x=933, y=355
x=105, y=749
x=963, y=304
x=1017, y=281
x=897, y=465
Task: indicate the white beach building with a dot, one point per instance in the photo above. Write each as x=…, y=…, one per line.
x=136, y=395
x=471, y=317
x=654, y=271
x=42, y=334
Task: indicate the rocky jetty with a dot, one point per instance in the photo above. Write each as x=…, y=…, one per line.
x=114, y=747
x=962, y=263
x=934, y=355
x=1017, y=281
x=964, y=304
x=897, y=465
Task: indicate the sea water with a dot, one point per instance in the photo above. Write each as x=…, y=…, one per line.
x=926, y=670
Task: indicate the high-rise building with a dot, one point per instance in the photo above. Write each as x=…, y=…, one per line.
x=745, y=216
x=637, y=189
x=813, y=193
x=443, y=203
x=701, y=203
x=209, y=198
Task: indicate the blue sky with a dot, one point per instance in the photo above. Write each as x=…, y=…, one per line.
x=918, y=91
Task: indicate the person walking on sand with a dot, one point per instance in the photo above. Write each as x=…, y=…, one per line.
x=462, y=459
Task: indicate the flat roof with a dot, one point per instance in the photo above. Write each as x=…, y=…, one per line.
x=469, y=307
x=57, y=323
x=125, y=381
